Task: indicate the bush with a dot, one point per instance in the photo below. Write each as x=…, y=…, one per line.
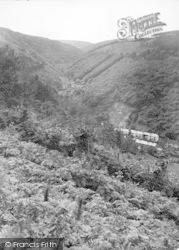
x=106, y=135
x=152, y=151
x=171, y=134
x=129, y=145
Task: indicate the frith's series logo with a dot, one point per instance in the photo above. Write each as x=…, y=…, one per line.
x=142, y=27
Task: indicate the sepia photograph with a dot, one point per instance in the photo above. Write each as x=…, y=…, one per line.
x=89, y=124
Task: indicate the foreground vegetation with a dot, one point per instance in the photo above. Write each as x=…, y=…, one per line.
x=93, y=192
x=64, y=175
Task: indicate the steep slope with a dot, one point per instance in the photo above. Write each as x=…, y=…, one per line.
x=105, y=196
x=143, y=76
x=42, y=56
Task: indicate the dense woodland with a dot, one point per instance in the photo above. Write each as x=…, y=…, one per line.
x=66, y=174
x=142, y=75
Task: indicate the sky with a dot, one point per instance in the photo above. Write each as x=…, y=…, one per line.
x=83, y=20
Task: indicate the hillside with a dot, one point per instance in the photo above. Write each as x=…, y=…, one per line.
x=140, y=77
x=64, y=171
x=78, y=185
x=41, y=56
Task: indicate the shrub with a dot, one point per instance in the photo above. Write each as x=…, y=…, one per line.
x=171, y=134
x=129, y=145
x=152, y=151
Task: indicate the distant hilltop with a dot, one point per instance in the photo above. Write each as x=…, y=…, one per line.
x=78, y=44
